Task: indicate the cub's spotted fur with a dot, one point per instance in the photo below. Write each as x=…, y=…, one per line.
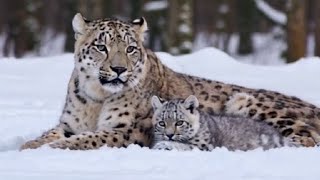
x=180, y=121
x=108, y=99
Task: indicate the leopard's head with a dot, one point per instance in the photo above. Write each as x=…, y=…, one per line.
x=110, y=51
x=176, y=119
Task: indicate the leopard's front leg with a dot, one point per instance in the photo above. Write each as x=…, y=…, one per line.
x=118, y=137
x=89, y=140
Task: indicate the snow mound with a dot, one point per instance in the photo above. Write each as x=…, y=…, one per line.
x=32, y=95
x=292, y=79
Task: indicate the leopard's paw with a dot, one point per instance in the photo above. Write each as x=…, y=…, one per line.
x=33, y=144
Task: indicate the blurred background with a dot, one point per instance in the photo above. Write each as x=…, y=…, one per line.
x=254, y=31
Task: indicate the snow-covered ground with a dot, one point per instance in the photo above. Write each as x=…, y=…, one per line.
x=32, y=94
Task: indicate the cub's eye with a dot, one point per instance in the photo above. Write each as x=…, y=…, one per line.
x=130, y=49
x=101, y=47
x=179, y=123
x=162, y=124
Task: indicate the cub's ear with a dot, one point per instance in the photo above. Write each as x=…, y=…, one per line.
x=141, y=27
x=191, y=103
x=79, y=25
x=156, y=102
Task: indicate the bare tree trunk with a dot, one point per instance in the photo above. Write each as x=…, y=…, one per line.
x=317, y=28
x=223, y=24
x=246, y=10
x=15, y=30
x=156, y=18
x=72, y=10
x=296, y=30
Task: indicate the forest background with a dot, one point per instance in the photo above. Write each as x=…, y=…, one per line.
x=257, y=31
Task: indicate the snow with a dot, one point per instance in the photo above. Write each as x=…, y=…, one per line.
x=2, y=42
x=184, y=29
x=311, y=44
x=186, y=45
x=223, y=8
x=156, y=5
x=32, y=95
x=141, y=163
x=273, y=14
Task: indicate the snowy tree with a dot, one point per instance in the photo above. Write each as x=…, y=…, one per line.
x=222, y=24
x=296, y=30
x=156, y=14
x=180, y=37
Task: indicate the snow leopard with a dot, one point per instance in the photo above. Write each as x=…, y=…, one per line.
x=107, y=101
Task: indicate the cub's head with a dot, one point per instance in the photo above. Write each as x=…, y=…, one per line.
x=175, y=120
x=110, y=51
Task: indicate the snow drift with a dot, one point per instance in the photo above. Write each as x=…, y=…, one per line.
x=32, y=95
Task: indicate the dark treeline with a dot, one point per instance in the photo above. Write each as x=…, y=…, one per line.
x=37, y=26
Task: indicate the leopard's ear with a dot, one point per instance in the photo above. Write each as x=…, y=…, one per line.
x=79, y=25
x=191, y=103
x=141, y=27
x=156, y=103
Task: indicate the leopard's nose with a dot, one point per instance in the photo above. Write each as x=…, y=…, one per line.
x=118, y=69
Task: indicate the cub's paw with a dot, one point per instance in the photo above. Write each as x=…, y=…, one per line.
x=163, y=145
x=170, y=145
x=290, y=142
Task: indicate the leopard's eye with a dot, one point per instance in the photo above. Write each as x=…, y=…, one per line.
x=162, y=123
x=101, y=47
x=130, y=49
x=179, y=123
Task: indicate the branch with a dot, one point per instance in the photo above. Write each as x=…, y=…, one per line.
x=271, y=13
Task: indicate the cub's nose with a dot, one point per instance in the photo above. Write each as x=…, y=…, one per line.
x=170, y=136
x=118, y=70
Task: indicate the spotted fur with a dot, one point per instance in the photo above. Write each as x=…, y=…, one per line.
x=108, y=99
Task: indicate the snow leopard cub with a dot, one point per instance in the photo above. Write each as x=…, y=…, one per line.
x=178, y=124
